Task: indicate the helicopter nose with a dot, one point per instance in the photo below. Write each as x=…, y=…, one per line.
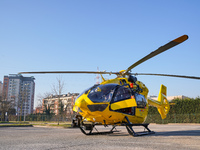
x=81, y=104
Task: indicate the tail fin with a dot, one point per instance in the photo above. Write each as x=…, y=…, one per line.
x=162, y=103
x=162, y=98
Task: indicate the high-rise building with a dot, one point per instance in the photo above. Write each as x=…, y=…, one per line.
x=1, y=88
x=5, y=87
x=20, y=91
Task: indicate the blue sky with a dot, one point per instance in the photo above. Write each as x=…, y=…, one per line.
x=82, y=35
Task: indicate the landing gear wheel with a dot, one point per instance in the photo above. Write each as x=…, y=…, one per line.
x=76, y=121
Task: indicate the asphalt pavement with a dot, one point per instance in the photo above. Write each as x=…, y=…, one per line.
x=171, y=136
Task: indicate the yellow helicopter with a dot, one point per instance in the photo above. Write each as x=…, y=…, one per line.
x=121, y=101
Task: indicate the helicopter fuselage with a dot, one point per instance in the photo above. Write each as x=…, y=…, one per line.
x=109, y=102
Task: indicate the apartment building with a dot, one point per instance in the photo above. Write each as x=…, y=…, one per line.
x=5, y=87
x=53, y=101
x=1, y=88
x=20, y=91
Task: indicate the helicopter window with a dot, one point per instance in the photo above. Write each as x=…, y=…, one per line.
x=122, y=94
x=102, y=93
x=85, y=91
x=122, y=82
x=141, y=100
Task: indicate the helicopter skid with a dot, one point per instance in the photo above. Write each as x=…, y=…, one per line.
x=133, y=133
x=88, y=130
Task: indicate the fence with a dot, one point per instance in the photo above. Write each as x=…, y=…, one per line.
x=151, y=118
x=38, y=117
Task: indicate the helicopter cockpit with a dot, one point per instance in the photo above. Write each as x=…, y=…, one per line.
x=102, y=93
x=114, y=93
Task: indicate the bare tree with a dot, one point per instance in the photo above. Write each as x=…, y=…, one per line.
x=5, y=106
x=40, y=98
x=22, y=100
x=59, y=86
x=58, y=90
x=47, y=105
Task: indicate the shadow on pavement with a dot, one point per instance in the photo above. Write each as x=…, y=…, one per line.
x=178, y=133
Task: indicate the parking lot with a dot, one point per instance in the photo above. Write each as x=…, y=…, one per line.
x=171, y=136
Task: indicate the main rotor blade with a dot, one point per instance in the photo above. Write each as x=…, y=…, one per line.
x=59, y=72
x=158, y=51
x=168, y=75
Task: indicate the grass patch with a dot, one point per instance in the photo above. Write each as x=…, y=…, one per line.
x=61, y=125
x=32, y=123
x=4, y=122
x=16, y=125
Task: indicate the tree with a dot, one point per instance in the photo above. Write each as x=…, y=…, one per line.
x=22, y=100
x=47, y=106
x=40, y=98
x=58, y=90
x=6, y=107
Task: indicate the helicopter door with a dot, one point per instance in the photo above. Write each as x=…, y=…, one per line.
x=123, y=99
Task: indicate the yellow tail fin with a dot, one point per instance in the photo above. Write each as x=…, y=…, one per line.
x=162, y=103
x=162, y=98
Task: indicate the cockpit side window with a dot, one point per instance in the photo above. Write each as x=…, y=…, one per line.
x=122, y=93
x=141, y=101
x=102, y=93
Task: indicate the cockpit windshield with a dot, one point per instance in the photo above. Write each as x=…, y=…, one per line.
x=85, y=91
x=102, y=93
